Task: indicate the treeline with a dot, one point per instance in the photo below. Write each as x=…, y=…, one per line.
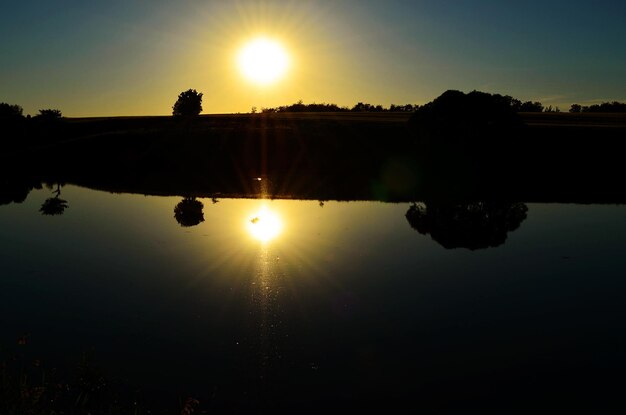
x=604, y=107
x=323, y=107
x=19, y=131
x=507, y=100
x=515, y=104
x=15, y=112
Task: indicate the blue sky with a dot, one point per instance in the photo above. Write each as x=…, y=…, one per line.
x=133, y=58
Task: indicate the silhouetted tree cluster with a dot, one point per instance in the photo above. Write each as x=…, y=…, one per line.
x=323, y=107
x=529, y=106
x=9, y=111
x=516, y=104
x=466, y=138
x=13, y=125
x=301, y=107
x=519, y=106
x=16, y=191
x=364, y=107
x=604, y=107
x=473, y=225
x=575, y=108
x=189, y=103
x=455, y=117
x=403, y=108
x=49, y=114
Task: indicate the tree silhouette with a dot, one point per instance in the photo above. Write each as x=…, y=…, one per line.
x=189, y=103
x=474, y=225
x=324, y=107
x=188, y=212
x=575, y=108
x=530, y=106
x=8, y=111
x=614, y=106
x=362, y=107
x=49, y=114
x=455, y=115
x=54, y=205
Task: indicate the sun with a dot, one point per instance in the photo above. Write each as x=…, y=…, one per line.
x=263, y=61
x=265, y=225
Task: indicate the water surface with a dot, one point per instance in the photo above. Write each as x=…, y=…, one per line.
x=334, y=304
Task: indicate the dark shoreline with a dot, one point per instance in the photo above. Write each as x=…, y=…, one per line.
x=355, y=156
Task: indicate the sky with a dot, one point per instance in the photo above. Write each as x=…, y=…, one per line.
x=109, y=58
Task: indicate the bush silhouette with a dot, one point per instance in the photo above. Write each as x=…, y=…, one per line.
x=189, y=103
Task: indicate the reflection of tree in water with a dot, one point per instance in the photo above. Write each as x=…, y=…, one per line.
x=188, y=212
x=54, y=205
x=16, y=191
x=475, y=225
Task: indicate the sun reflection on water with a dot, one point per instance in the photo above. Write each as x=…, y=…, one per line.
x=264, y=225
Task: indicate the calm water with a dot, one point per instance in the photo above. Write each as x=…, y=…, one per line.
x=278, y=304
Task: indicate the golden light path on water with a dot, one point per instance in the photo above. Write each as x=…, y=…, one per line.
x=265, y=225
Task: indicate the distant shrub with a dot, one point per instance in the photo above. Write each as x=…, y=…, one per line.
x=189, y=103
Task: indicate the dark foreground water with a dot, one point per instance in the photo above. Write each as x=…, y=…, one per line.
x=272, y=305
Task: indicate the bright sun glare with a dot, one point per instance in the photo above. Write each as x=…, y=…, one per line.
x=263, y=61
x=264, y=225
